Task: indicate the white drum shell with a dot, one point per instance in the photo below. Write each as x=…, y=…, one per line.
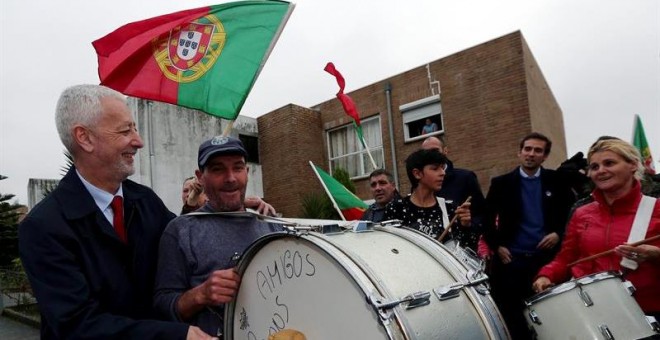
x=322, y=285
x=564, y=315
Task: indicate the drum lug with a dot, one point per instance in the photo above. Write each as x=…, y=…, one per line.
x=655, y=326
x=534, y=317
x=448, y=292
x=585, y=298
x=606, y=332
x=629, y=286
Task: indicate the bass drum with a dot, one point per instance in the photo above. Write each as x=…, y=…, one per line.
x=384, y=283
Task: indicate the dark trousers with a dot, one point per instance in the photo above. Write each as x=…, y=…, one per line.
x=511, y=284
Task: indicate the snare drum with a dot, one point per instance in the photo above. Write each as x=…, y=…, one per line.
x=383, y=283
x=598, y=306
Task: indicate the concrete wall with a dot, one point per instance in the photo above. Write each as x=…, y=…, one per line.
x=38, y=188
x=172, y=136
x=491, y=95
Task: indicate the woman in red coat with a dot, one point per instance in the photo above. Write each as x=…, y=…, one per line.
x=615, y=168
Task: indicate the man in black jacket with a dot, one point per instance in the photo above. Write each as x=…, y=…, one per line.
x=458, y=185
x=530, y=205
x=90, y=247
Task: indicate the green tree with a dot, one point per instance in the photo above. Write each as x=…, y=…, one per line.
x=9, y=214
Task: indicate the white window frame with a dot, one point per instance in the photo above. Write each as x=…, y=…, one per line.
x=419, y=110
x=364, y=166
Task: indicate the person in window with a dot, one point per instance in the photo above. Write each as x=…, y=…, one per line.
x=429, y=127
x=615, y=168
x=422, y=210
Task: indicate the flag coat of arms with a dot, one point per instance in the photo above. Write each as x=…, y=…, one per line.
x=206, y=58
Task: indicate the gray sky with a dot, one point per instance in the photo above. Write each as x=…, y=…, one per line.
x=601, y=59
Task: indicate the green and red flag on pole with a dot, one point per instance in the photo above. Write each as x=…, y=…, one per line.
x=206, y=58
x=349, y=206
x=346, y=101
x=350, y=109
x=640, y=142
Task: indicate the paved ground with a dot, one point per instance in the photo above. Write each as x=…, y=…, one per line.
x=14, y=330
x=11, y=329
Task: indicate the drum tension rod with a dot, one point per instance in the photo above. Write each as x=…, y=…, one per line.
x=453, y=290
x=413, y=300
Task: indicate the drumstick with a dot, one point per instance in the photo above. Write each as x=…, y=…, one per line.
x=607, y=252
x=447, y=228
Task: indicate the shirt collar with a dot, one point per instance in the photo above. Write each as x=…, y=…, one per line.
x=101, y=197
x=525, y=175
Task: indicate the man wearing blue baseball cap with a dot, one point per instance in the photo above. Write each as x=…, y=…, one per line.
x=195, y=275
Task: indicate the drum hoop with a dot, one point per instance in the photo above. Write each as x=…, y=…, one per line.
x=327, y=246
x=453, y=265
x=575, y=283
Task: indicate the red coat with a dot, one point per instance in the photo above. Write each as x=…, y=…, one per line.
x=597, y=227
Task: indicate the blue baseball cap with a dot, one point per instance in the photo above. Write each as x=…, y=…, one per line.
x=219, y=145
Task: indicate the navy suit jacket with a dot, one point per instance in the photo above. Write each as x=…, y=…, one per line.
x=87, y=282
x=458, y=185
x=504, y=203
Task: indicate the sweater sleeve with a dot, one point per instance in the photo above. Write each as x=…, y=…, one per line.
x=172, y=274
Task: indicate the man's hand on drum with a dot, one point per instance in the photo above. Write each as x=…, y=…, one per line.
x=504, y=254
x=219, y=288
x=541, y=284
x=639, y=254
x=549, y=241
x=256, y=203
x=463, y=214
x=194, y=333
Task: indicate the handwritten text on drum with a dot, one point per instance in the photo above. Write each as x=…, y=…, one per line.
x=290, y=265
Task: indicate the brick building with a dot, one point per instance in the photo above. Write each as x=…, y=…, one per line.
x=483, y=99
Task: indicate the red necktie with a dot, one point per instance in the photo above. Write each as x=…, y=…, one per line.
x=118, y=219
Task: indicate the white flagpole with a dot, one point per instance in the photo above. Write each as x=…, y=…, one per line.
x=366, y=147
x=228, y=128
x=334, y=204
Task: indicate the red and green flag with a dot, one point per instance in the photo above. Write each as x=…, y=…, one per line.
x=640, y=142
x=206, y=58
x=346, y=101
x=348, y=205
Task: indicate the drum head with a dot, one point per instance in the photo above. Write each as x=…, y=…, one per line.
x=292, y=283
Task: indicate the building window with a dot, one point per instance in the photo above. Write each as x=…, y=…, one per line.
x=422, y=118
x=251, y=144
x=346, y=151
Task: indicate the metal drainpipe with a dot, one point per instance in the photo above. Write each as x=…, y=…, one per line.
x=388, y=95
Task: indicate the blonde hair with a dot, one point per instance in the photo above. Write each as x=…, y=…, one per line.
x=622, y=148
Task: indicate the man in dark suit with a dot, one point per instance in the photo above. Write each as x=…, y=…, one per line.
x=457, y=186
x=90, y=247
x=530, y=205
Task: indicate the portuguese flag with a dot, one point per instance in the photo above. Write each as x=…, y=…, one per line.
x=206, y=58
x=640, y=142
x=349, y=206
x=346, y=101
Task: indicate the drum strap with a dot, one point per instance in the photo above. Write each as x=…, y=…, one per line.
x=443, y=207
x=639, y=227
